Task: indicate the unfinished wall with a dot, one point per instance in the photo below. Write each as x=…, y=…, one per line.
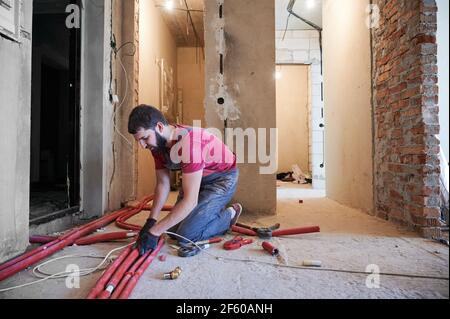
x=191, y=84
x=15, y=130
x=122, y=164
x=406, y=114
x=156, y=44
x=293, y=107
x=348, y=110
x=247, y=85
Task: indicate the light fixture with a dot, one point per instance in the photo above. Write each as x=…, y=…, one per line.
x=310, y=4
x=278, y=75
x=169, y=5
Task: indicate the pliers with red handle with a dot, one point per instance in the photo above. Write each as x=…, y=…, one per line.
x=236, y=243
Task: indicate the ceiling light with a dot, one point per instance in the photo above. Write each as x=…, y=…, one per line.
x=169, y=4
x=310, y=4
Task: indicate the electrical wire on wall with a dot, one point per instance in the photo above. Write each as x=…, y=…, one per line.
x=114, y=98
x=117, y=108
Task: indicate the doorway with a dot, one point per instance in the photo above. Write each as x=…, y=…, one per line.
x=55, y=115
x=295, y=150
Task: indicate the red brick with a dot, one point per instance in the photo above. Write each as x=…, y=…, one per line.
x=422, y=38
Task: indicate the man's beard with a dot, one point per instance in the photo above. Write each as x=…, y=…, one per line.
x=161, y=143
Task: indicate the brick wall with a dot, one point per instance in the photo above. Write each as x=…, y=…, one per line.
x=406, y=114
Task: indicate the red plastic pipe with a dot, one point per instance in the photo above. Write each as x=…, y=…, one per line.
x=21, y=263
x=166, y=208
x=244, y=231
x=126, y=278
x=118, y=275
x=296, y=231
x=271, y=249
x=32, y=252
x=138, y=274
x=26, y=255
x=104, y=238
x=282, y=232
x=41, y=239
x=100, y=285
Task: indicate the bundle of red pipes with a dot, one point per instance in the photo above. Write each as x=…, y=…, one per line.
x=120, y=278
x=128, y=265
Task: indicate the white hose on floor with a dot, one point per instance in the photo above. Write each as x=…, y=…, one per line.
x=309, y=268
x=106, y=260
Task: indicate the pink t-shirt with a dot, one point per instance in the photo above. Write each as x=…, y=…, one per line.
x=195, y=150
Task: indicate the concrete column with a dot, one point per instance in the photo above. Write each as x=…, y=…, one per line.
x=245, y=93
x=96, y=109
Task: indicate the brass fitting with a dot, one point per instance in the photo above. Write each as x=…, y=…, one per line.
x=173, y=274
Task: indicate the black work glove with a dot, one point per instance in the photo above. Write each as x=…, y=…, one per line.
x=148, y=225
x=147, y=241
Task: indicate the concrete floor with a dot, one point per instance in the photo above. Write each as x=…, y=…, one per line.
x=350, y=240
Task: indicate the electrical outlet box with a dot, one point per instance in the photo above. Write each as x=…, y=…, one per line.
x=9, y=18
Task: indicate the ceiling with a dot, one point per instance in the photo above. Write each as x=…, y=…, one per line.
x=301, y=8
x=179, y=24
x=183, y=32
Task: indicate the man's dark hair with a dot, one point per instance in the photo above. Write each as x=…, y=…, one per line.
x=145, y=117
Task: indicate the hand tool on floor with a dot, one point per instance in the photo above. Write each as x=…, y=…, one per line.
x=236, y=243
x=263, y=232
x=272, y=231
x=274, y=251
x=191, y=250
x=271, y=249
x=209, y=241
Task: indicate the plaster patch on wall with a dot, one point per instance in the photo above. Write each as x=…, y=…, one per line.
x=225, y=106
x=228, y=110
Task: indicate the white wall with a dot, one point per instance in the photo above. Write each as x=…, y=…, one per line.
x=348, y=108
x=191, y=82
x=303, y=47
x=155, y=44
x=443, y=56
x=293, y=108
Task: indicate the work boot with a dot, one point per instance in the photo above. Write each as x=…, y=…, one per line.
x=238, y=209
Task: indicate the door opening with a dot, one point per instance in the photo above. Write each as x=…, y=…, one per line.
x=55, y=119
x=295, y=147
